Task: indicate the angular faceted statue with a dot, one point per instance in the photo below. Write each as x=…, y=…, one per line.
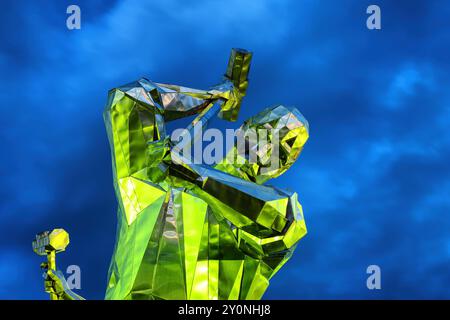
x=187, y=230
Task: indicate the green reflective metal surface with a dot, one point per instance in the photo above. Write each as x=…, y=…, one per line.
x=189, y=231
x=192, y=231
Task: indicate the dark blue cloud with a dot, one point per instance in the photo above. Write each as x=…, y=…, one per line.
x=373, y=179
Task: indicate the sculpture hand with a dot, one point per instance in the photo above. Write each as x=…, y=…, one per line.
x=56, y=284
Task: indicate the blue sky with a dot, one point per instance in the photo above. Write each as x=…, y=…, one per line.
x=373, y=178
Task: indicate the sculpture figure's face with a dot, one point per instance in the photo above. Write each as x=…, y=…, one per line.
x=273, y=139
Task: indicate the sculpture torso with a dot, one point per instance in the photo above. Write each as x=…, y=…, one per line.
x=178, y=249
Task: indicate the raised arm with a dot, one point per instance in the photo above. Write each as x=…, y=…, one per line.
x=180, y=101
x=135, y=118
x=136, y=113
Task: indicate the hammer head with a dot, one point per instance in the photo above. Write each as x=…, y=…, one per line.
x=56, y=240
x=237, y=72
x=238, y=68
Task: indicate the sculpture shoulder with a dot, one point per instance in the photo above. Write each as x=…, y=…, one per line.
x=142, y=92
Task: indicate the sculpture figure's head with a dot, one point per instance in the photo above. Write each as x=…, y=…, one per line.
x=267, y=144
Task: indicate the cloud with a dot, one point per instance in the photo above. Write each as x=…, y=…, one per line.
x=406, y=83
x=18, y=279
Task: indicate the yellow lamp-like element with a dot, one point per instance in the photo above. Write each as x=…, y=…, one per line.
x=49, y=243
